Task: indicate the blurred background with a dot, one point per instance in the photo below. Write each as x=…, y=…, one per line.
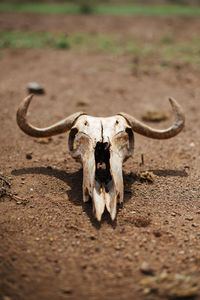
x=101, y=57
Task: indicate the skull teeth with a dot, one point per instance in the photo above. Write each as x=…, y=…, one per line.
x=103, y=181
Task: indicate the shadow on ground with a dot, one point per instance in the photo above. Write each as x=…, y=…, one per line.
x=74, y=180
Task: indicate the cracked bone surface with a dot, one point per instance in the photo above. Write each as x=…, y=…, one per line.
x=101, y=145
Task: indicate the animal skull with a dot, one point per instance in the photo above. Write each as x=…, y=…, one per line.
x=101, y=145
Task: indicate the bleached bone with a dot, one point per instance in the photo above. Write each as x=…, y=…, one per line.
x=101, y=145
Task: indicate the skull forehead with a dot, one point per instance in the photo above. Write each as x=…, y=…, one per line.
x=99, y=127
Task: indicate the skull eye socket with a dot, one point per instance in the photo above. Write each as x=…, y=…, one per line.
x=72, y=135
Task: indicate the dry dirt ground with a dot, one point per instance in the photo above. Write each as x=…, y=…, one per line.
x=52, y=247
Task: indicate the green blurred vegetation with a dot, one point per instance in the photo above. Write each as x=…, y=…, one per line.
x=88, y=7
x=19, y=40
x=166, y=51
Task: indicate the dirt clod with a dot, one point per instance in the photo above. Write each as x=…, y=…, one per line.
x=178, y=286
x=146, y=176
x=43, y=140
x=83, y=102
x=154, y=116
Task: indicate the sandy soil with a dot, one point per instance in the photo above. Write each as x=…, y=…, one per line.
x=52, y=247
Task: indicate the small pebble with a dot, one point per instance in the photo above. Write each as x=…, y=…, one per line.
x=189, y=218
x=35, y=88
x=157, y=233
x=186, y=167
x=67, y=290
x=118, y=247
x=145, y=269
x=129, y=257
x=83, y=102
x=28, y=156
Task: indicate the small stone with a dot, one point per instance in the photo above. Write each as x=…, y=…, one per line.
x=43, y=140
x=189, y=218
x=129, y=257
x=35, y=88
x=67, y=290
x=57, y=270
x=32, y=206
x=118, y=247
x=195, y=225
x=145, y=269
x=119, y=275
x=157, y=233
x=18, y=202
x=28, y=156
x=83, y=266
x=83, y=102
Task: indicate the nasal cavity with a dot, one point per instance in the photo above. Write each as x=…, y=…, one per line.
x=102, y=153
x=102, y=159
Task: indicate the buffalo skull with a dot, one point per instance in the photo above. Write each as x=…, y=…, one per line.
x=101, y=145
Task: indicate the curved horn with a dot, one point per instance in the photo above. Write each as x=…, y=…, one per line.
x=29, y=129
x=145, y=130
